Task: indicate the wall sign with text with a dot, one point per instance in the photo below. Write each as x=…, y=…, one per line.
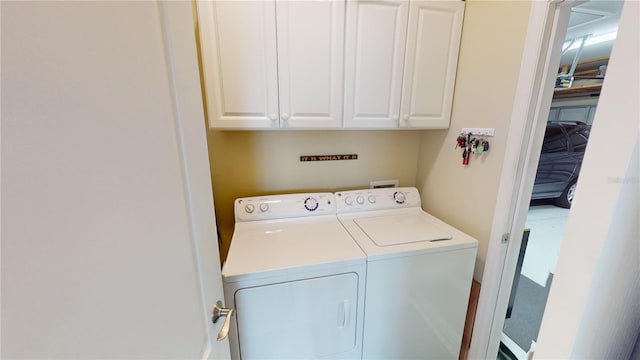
x=328, y=157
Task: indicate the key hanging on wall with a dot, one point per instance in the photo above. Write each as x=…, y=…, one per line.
x=471, y=145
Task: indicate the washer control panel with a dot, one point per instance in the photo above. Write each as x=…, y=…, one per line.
x=377, y=199
x=284, y=206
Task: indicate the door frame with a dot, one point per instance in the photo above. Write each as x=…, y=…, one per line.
x=548, y=22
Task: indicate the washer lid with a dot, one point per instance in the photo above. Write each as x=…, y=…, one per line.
x=399, y=229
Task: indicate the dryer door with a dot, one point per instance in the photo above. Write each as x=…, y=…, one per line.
x=302, y=319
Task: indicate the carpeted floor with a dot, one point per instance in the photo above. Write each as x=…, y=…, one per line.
x=528, y=307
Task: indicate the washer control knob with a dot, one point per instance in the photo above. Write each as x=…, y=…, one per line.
x=372, y=199
x=264, y=207
x=311, y=204
x=249, y=208
x=348, y=200
x=399, y=197
x=360, y=199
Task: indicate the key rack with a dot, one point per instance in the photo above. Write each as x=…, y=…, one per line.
x=473, y=141
x=486, y=132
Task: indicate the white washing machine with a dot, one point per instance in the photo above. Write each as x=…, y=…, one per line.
x=419, y=274
x=296, y=280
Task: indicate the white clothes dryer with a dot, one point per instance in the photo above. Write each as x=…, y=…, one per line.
x=419, y=274
x=296, y=280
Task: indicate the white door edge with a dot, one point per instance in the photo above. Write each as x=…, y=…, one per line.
x=192, y=142
x=167, y=14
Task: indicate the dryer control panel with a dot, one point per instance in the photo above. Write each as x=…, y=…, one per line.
x=284, y=206
x=377, y=199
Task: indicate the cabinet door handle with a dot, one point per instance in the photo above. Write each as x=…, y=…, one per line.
x=285, y=116
x=218, y=312
x=273, y=117
x=405, y=117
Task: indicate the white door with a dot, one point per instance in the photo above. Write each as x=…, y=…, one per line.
x=374, y=54
x=310, y=63
x=240, y=65
x=108, y=237
x=433, y=42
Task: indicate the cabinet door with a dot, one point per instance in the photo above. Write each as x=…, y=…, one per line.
x=310, y=63
x=375, y=42
x=238, y=41
x=433, y=42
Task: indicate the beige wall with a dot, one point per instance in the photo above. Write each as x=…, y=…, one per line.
x=488, y=67
x=249, y=163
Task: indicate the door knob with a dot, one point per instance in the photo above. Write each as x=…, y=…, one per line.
x=218, y=312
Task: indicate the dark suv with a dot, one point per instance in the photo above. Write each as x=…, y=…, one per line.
x=560, y=161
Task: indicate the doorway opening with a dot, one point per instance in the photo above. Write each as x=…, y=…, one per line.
x=591, y=31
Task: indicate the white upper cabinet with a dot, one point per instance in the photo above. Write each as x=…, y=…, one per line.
x=329, y=64
x=431, y=60
x=375, y=45
x=273, y=64
x=400, y=63
x=238, y=42
x=310, y=63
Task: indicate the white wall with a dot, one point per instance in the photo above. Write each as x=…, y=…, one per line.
x=593, y=309
x=613, y=302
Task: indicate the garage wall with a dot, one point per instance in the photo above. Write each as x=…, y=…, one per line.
x=489, y=64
